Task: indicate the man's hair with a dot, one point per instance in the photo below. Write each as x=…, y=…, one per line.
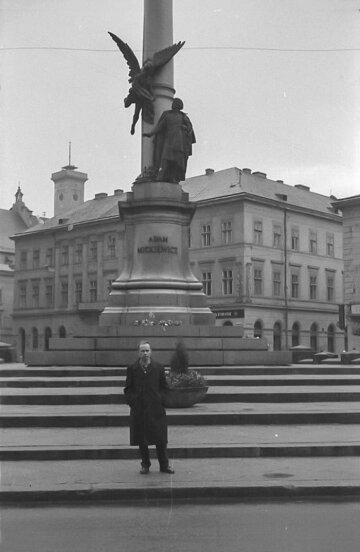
x=144, y=342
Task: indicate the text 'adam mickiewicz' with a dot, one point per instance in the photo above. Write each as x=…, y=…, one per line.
x=159, y=248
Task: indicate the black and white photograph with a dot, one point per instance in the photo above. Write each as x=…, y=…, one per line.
x=179, y=275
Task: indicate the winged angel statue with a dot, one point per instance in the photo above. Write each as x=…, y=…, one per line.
x=141, y=79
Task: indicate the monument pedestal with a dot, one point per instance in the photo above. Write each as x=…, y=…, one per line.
x=156, y=277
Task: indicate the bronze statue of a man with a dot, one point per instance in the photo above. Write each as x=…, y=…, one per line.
x=173, y=141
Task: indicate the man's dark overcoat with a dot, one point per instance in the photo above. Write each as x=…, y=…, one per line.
x=144, y=394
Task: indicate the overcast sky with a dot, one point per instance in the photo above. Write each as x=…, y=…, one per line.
x=272, y=85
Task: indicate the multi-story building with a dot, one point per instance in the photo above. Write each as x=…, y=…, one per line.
x=269, y=256
x=16, y=219
x=350, y=208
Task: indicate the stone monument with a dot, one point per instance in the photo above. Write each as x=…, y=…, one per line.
x=157, y=277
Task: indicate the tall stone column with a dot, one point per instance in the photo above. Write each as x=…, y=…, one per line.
x=158, y=34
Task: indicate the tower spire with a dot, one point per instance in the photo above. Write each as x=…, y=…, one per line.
x=69, y=167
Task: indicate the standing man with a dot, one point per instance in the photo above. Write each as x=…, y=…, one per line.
x=144, y=388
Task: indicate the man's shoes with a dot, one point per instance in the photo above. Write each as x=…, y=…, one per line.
x=144, y=470
x=167, y=470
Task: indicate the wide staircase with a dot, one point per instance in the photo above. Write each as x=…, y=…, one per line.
x=262, y=431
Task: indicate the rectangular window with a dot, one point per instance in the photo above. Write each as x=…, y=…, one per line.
x=313, y=242
x=23, y=260
x=205, y=235
x=35, y=295
x=78, y=253
x=330, y=245
x=64, y=294
x=22, y=295
x=258, y=281
x=330, y=289
x=227, y=282
x=111, y=247
x=78, y=291
x=226, y=231
x=258, y=232
x=313, y=286
x=93, y=291
x=36, y=258
x=295, y=285
x=295, y=239
x=206, y=282
x=93, y=250
x=49, y=295
x=65, y=255
x=277, y=236
x=276, y=283
x=50, y=257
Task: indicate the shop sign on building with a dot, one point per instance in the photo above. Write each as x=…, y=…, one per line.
x=230, y=313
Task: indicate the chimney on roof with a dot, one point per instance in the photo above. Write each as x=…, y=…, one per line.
x=246, y=171
x=118, y=192
x=208, y=172
x=100, y=195
x=302, y=187
x=259, y=174
x=280, y=181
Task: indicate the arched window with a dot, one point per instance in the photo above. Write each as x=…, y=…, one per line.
x=22, y=342
x=35, y=338
x=295, y=334
x=258, y=328
x=227, y=323
x=331, y=338
x=277, y=336
x=314, y=336
x=47, y=335
x=62, y=331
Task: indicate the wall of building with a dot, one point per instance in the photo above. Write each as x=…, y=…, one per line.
x=314, y=313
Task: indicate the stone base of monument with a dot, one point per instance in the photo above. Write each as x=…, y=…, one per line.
x=156, y=276
x=117, y=346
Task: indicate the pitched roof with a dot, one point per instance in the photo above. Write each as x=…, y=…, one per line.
x=10, y=223
x=92, y=209
x=233, y=181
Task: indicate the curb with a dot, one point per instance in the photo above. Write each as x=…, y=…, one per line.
x=240, y=493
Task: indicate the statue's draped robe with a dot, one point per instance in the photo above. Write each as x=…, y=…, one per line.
x=173, y=141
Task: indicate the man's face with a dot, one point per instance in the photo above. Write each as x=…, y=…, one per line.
x=144, y=351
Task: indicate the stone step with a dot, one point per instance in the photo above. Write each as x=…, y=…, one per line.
x=218, y=381
x=216, y=451
x=109, y=395
x=201, y=414
x=20, y=370
x=210, y=478
x=185, y=442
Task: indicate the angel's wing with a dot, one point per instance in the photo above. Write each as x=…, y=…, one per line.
x=131, y=59
x=165, y=55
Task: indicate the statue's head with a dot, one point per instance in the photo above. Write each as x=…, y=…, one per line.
x=177, y=104
x=147, y=65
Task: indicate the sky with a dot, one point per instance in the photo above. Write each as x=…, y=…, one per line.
x=272, y=85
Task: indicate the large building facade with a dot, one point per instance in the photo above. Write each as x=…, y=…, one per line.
x=350, y=208
x=16, y=219
x=269, y=256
